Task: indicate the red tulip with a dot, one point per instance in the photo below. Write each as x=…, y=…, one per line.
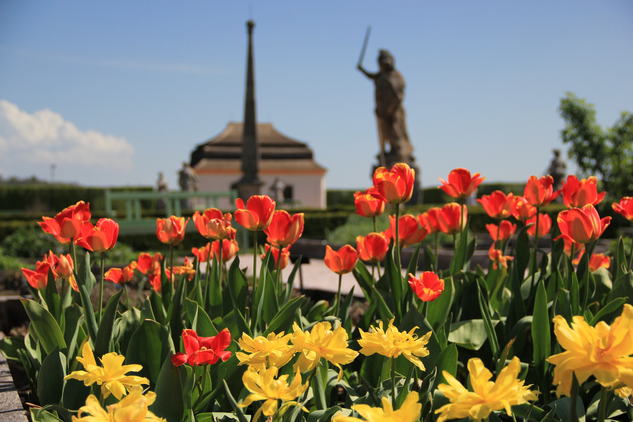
x=171, y=230
x=428, y=287
x=498, y=259
x=582, y=225
x=450, y=216
x=373, y=247
x=625, y=207
x=540, y=192
x=523, y=210
x=409, y=230
x=598, y=260
x=502, y=232
x=577, y=247
x=460, y=184
x=284, y=230
x=498, y=204
x=212, y=224
x=229, y=249
x=201, y=254
x=285, y=256
x=343, y=261
x=99, y=238
x=394, y=186
x=64, y=267
x=121, y=275
x=203, y=350
x=150, y=266
x=367, y=205
x=544, y=225
x=38, y=279
x=67, y=224
x=429, y=220
x=578, y=193
x=259, y=213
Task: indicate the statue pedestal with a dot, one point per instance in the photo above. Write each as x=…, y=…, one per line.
x=247, y=188
x=391, y=160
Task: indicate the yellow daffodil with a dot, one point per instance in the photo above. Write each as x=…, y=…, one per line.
x=602, y=351
x=133, y=408
x=111, y=377
x=263, y=386
x=322, y=342
x=265, y=352
x=486, y=396
x=408, y=412
x=393, y=343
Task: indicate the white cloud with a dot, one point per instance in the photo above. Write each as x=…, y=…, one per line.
x=45, y=138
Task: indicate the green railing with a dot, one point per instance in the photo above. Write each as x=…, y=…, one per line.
x=135, y=223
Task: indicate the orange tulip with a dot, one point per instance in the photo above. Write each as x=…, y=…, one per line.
x=373, y=247
x=284, y=230
x=577, y=247
x=502, y=232
x=625, y=207
x=498, y=259
x=429, y=220
x=201, y=254
x=544, y=225
x=38, y=279
x=186, y=268
x=121, y=275
x=150, y=266
x=67, y=224
x=367, y=205
x=64, y=267
x=285, y=256
x=409, y=230
x=540, y=192
x=598, y=260
x=428, y=287
x=212, y=224
x=578, y=193
x=523, y=210
x=582, y=225
x=343, y=261
x=498, y=204
x=460, y=184
x=171, y=230
x=259, y=213
x=450, y=217
x=394, y=186
x=99, y=238
x=229, y=249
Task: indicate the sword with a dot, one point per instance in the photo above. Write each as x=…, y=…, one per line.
x=362, y=52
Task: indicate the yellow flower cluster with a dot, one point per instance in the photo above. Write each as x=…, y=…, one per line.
x=487, y=395
x=393, y=343
x=133, y=408
x=602, y=351
x=111, y=376
x=408, y=412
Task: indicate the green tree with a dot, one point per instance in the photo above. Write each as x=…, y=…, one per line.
x=605, y=153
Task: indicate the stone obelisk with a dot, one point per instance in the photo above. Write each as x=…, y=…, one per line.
x=250, y=183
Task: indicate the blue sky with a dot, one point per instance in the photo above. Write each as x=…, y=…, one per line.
x=113, y=92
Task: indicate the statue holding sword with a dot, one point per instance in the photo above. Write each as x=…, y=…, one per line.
x=390, y=114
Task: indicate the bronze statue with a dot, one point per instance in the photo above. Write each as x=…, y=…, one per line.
x=390, y=113
x=557, y=169
x=188, y=181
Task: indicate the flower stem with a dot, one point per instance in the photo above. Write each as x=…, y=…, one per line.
x=73, y=254
x=393, y=383
x=101, y=285
x=602, y=407
x=375, y=226
x=254, y=262
x=220, y=274
x=207, y=275
x=397, y=237
x=338, y=295
x=171, y=263
x=436, y=257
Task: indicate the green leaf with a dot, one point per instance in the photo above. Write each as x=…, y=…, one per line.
x=395, y=280
x=490, y=330
x=364, y=279
x=175, y=313
x=574, y=294
x=284, y=318
x=621, y=263
x=147, y=311
x=149, y=346
x=41, y=415
x=412, y=268
x=104, y=336
x=169, y=402
x=203, y=325
x=51, y=378
x=237, y=284
x=291, y=280
x=271, y=305
x=10, y=346
x=383, y=309
x=52, y=299
x=45, y=326
x=623, y=287
x=541, y=337
x=85, y=283
x=447, y=361
x=439, y=309
x=157, y=308
x=470, y=334
x=73, y=318
x=260, y=290
x=238, y=410
x=611, y=307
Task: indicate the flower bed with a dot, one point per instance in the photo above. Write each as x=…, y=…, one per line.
x=546, y=340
